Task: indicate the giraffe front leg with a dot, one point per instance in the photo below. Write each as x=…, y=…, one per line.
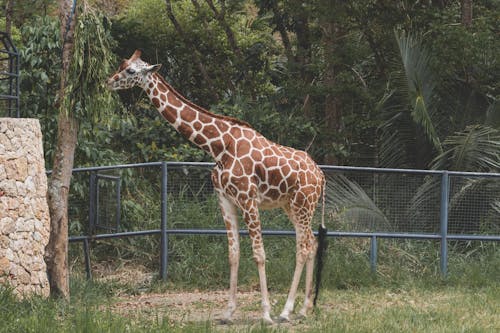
x=254, y=229
x=231, y=221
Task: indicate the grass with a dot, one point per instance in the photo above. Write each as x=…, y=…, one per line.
x=434, y=309
x=406, y=295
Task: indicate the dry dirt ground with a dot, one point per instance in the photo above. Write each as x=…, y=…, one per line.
x=184, y=306
x=196, y=306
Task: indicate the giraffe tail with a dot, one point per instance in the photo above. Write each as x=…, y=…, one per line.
x=322, y=246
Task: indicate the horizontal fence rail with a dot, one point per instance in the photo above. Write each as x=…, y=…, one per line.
x=111, y=201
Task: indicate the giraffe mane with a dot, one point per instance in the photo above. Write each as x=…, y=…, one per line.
x=199, y=108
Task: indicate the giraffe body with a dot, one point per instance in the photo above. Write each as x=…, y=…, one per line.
x=251, y=172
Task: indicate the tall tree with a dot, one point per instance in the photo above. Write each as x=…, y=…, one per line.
x=86, y=61
x=466, y=9
x=59, y=183
x=8, y=15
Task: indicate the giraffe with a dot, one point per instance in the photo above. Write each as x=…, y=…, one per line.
x=250, y=172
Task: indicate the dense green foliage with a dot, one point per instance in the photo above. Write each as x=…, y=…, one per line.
x=380, y=83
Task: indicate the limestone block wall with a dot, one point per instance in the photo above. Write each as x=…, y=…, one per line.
x=24, y=213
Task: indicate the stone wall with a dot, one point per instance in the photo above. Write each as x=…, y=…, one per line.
x=24, y=213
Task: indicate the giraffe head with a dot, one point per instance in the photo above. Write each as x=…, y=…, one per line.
x=132, y=72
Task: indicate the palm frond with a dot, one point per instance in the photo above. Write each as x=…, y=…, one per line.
x=420, y=84
x=352, y=207
x=477, y=148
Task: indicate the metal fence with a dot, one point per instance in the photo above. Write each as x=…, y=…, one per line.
x=9, y=77
x=167, y=198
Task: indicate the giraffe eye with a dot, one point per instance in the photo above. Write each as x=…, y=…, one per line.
x=130, y=71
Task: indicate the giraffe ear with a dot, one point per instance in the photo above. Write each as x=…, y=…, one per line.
x=153, y=68
x=136, y=55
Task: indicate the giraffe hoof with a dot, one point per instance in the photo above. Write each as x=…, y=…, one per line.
x=267, y=320
x=225, y=321
x=283, y=319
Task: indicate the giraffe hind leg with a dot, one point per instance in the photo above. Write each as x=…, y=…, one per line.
x=306, y=249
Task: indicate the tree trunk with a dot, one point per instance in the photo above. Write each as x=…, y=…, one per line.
x=196, y=54
x=8, y=16
x=466, y=8
x=332, y=107
x=220, y=16
x=56, y=252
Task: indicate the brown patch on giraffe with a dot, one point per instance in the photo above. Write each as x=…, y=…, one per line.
x=268, y=152
x=271, y=161
x=229, y=143
x=204, y=118
x=302, y=177
x=210, y=131
x=156, y=102
x=283, y=186
x=247, y=163
x=224, y=179
x=200, y=140
x=260, y=171
x=223, y=127
x=291, y=181
x=162, y=87
x=197, y=125
x=170, y=114
x=242, y=196
x=256, y=144
x=217, y=147
x=185, y=129
x=237, y=168
x=227, y=160
x=173, y=100
x=232, y=189
x=163, y=97
x=274, y=177
x=243, y=147
x=285, y=170
x=151, y=85
x=188, y=115
x=273, y=193
x=235, y=132
x=241, y=182
x=155, y=92
x=256, y=155
x=248, y=133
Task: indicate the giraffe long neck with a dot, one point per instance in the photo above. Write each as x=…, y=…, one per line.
x=196, y=124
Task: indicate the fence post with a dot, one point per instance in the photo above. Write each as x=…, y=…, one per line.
x=445, y=193
x=163, y=237
x=373, y=254
x=92, y=202
x=86, y=253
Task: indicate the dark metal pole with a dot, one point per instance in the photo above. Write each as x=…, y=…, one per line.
x=445, y=193
x=373, y=254
x=92, y=202
x=164, y=236
x=86, y=252
x=118, y=204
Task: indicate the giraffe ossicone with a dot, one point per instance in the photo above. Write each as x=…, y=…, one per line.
x=251, y=172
